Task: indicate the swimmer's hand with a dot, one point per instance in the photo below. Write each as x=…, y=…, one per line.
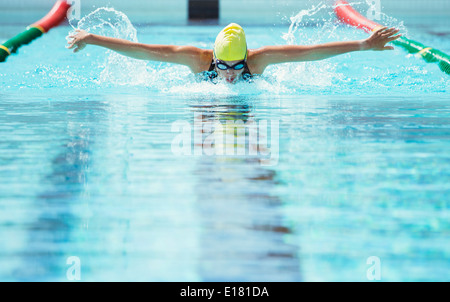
x=380, y=38
x=79, y=40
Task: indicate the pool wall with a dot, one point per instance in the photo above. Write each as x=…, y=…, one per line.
x=244, y=11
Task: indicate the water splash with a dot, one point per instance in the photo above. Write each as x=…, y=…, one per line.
x=318, y=74
x=117, y=69
x=298, y=20
x=337, y=75
x=107, y=21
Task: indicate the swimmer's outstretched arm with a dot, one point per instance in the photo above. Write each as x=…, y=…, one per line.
x=190, y=56
x=297, y=53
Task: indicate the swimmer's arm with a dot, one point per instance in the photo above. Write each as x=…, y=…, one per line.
x=298, y=53
x=186, y=55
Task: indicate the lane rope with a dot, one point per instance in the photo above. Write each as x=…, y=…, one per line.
x=56, y=15
x=348, y=15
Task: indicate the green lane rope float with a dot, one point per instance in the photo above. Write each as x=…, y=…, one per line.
x=52, y=19
x=348, y=15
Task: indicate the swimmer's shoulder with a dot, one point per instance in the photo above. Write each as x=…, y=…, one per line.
x=255, y=61
x=203, y=60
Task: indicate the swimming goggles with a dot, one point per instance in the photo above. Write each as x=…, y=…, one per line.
x=224, y=66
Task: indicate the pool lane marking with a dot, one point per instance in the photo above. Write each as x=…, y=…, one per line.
x=5, y=49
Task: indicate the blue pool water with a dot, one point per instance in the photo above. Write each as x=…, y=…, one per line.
x=356, y=163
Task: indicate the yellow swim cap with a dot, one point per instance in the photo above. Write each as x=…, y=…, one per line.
x=230, y=43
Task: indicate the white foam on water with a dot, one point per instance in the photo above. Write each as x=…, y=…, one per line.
x=117, y=69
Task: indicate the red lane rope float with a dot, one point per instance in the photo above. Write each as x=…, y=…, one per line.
x=348, y=15
x=56, y=15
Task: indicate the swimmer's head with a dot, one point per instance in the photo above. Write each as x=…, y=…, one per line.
x=230, y=48
x=231, y=44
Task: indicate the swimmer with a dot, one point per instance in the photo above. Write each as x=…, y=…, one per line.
x=230, y=59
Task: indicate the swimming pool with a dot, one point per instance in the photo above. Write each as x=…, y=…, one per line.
x=355, y=167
